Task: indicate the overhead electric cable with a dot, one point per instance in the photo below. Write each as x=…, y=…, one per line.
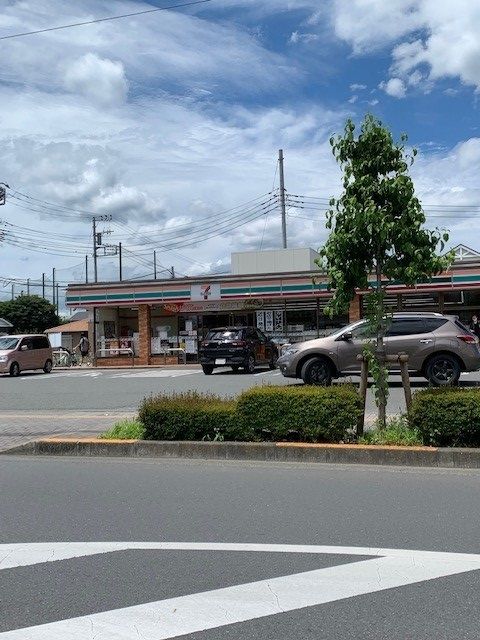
x=106, y=19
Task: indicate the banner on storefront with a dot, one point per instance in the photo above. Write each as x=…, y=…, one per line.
x=213, y=305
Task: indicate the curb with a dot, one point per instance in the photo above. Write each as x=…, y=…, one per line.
x=461, y=458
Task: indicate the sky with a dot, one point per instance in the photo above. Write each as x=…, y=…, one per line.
x=170, y=123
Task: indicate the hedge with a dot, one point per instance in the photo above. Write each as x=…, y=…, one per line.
x=190, y=416
x=300, y=413
x=447, y=417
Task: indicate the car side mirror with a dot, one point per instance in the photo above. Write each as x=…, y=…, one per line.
x=24, y=347
x=347, y=336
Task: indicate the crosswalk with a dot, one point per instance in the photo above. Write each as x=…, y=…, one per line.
x=115, y=374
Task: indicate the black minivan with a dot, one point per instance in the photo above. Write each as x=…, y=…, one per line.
x=237, y=347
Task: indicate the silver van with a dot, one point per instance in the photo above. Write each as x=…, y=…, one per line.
x=25, y=353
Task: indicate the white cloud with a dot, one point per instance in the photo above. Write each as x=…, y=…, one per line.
x=306, y=38
x=394, y=87
x=99, y=79
x=358, y=87
x=353, y=99
x=443, y=36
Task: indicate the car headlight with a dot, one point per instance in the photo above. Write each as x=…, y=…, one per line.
x=3, y=358
x=290, y=351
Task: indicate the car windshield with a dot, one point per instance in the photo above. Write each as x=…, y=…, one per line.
x=6, y=342
x=224, y=334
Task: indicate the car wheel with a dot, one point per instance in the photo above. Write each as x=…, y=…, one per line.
x=14, y=369
x=207, y=369
x=443, y=370
x=235, y=368
x=47, y=367
x=273, y=361
x=317, y=371
x=250, y=364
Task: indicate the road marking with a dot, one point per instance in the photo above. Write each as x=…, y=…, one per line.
x=173, y=617
x=155, y=373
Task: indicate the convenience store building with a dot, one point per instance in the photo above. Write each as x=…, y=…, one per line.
x=280, y=291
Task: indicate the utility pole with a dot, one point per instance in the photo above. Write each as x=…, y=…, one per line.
x=282, y=199
x=28, y=286
x=94, y=224
x=13, y=291
x=56, y=298
x=86, y=269
x=120, y=261
x=154, y=265
x=53, y=286
x=172, y=272
x=43, y=285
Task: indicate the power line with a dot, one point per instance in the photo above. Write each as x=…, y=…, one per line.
x=107, y=19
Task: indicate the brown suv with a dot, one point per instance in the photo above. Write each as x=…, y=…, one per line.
x=439, y=348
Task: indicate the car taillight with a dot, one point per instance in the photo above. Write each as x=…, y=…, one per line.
x=465, y=337
x=239, y=343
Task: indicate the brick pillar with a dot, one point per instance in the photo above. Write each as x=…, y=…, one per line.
x=355, y=310
x=144, y=341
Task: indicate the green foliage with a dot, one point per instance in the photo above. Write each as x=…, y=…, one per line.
x=190, y=416
x=377, y=228
x=300, y=413
x=447, y=417
x=125, y=430
x=396, y=433
x=29, y=314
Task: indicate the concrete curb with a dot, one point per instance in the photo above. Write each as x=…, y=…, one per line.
x=460, y=458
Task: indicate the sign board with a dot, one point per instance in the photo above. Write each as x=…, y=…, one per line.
x=213, y=305
x=205, y=291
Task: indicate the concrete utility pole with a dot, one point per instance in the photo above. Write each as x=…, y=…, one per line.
x=43, y=285
x=13, y=291
x=94, y=225
x=53, y=286
x=120, y=261
x=86, y=269
x=172, y=272
x=28, y=286
x=154, y=265
x=282, y=199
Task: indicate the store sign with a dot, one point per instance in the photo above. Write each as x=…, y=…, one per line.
x=213, y=305
x=205, y=291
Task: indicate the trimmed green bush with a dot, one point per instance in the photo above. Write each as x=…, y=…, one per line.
x=397, y=433
x=447, y=417
x=190, y=416
x=125, y=430
x=300, y=413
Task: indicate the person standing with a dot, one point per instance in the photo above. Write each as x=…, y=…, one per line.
x=84, y=346
x=475, y=326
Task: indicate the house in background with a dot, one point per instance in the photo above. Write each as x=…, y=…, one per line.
x=68, y=335
x=6, y=327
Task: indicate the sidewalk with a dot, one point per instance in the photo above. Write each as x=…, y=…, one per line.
x=20, y=427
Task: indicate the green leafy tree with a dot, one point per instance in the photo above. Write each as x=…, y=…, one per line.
x=29, y=314
x=377, y=230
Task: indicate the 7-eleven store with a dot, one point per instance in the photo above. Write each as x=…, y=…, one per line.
x=158, y=318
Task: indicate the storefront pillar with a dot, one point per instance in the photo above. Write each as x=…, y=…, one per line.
x=144, y=334
x=355, y=310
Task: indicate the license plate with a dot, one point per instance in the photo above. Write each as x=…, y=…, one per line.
x=221, y=361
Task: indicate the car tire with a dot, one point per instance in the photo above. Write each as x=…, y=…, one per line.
x=235, y=368
x=273, y=361
x=207, y=369
x=47, y=367
x=317, y=371
x=443, y=370
x=249, y=366
x=14, y=369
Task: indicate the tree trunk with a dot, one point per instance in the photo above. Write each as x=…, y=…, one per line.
x=380, y=352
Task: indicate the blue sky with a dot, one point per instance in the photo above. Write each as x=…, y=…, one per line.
x=163, y=119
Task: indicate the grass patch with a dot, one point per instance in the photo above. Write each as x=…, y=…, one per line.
x=129, y=429
x=397, y=433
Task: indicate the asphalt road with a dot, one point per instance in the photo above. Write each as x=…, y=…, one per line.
x=151, y=593
x=123, y=390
